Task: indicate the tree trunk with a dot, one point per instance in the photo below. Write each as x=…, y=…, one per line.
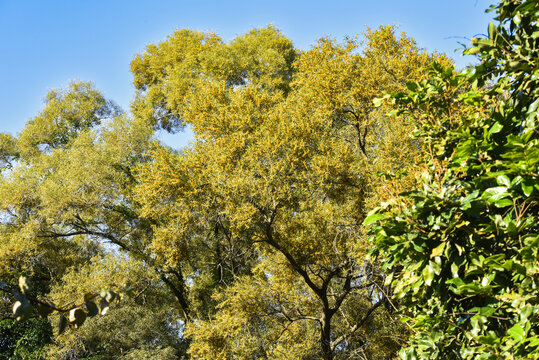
x=325, y=336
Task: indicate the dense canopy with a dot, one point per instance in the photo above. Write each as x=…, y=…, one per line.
x=253, y=241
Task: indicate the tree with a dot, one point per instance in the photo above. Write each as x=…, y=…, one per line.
x=240, y=245
x=462, y=246
x=263, y=211
x=66, y=200
x=24, y=340
x=141, y=324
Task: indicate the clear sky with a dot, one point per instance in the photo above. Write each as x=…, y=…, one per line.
x=45, y=44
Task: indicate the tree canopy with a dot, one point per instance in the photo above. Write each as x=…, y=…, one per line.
x=326, y=194
x=263, y=211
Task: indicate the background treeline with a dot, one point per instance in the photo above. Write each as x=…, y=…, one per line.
x=327, y=193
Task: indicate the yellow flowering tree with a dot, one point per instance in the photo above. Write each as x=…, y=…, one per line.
x=263, y=211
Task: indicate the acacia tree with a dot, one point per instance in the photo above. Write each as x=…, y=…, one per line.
x=263, y=211
x=463, y=245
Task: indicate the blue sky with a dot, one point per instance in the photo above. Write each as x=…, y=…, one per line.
x=45, y=44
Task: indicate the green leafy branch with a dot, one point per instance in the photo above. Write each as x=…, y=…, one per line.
x=73, y=315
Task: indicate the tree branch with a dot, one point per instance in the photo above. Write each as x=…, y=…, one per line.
x=359, y=324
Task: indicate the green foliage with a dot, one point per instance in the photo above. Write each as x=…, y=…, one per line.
x=129, y=330
x=24, y=340
x=66, y=201
x=463, y=246
x=247, y=244
x=142, y=321
x=75, y=315
x=66, y=114
x=8, y=150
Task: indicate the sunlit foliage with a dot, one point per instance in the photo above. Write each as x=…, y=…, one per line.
x=463, y=245
x=263, y=211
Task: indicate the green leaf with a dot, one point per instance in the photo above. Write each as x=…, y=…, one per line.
x=503, y=203
x=428, y=274
x=77, y=317
x=516, y=332
x=436, y=265
x=454, y=270
x=503, y=180
x=412, y=86
x=526, y=311
x=373, y=218
x=103, y=306
x=389, y=279
x=377, y=102
x=496, y=128
x=92, y=308
x=474, y=50
x=526, y=6
x=494, y=194
x=438, y=250
x=527, y=187
x=484, y=310
x=62, y=323
x=491, y=30
x=21, y=310
x=533, y=341
x=491, y=338
x=23, y=285
x=108, y=295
